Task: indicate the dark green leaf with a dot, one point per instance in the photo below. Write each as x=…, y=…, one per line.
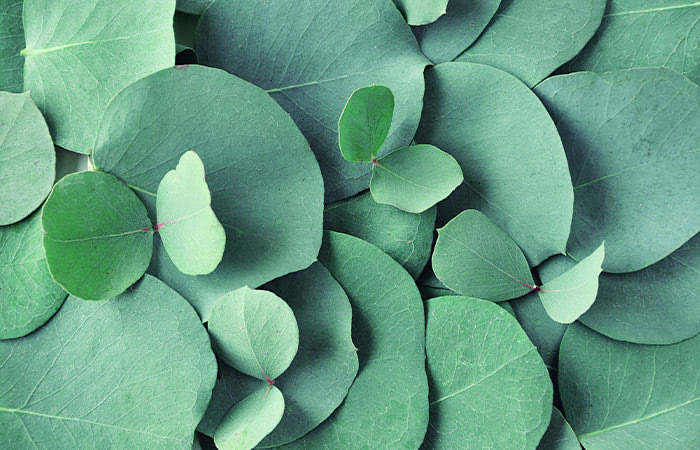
x=365, y=123
x=559, y=435
x=11, y=43
x=193, y=6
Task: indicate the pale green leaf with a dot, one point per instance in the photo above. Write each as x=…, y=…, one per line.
x=475, y=258
x=365, y=123
x=132, y=372
x=98, y=238
x=188, y=227
x=415, y=178
x=421, y=12
x=632, y=140
x=488, y=385
x=11, y=43
x=559, y=435
x=513, y=161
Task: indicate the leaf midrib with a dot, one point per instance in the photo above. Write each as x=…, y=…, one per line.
x=651, y=10
x=42, y=51
x=96, y=238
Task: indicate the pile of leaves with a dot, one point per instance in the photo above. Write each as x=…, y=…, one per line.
x=367, y=224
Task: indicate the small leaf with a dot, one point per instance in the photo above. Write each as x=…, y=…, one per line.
x=98, y=239
x=191, y=233
x=475, y=258
x=559, y=435
x=255, y=332
x=365, y=123
x=415, y=178
x=249, y=421
x=421, y=12
x=572, y=293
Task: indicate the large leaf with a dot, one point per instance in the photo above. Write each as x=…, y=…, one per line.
x=365, y=123
x=443, y=40
x=80, y=53
x=645, y=33
x=421, y=12
x=406, y=237
x=488, y=385
x=98, y=238
x=532, y=38
x=133, y=372
x=255, y=332
x=28, y=294
x=387, y=406
x=11, y=43
x=310, y=56
x=559, y=435
x=621, y=395
x=27, y=157
x=323, y=370
x=474, y=257
x=266, y=188
x=191, y=234
x=513, y=161
x=415, y=178
x=631, y=138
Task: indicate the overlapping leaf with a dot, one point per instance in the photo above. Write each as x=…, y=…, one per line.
x=421, y=12
x=559, y=435
x=365, y=123
x=11, y=43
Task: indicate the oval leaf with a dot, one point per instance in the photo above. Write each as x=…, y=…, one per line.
x=513, y=161
x=421, y=12
x=11, y=43
x=631, y=138
x=488, y=385
x=28, y=157
x=415, y=178
x=365, y=123
x=474, y=257
x=98, y=239
x=559, y=435
x=255, y=332
x=133, y=372
x=188, y=227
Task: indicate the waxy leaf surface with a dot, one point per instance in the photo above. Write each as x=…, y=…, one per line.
x=631, y=138
x=421, y=12
x=11, y=43
x=513, y=161
x=559, y=435
x=365, y=123
x=132, y=372
x=81, y=53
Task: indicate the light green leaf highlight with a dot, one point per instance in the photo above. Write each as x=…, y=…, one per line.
x=365, y=123
x=421, y=12
x=188, y=227
x=11, y=43
x=98, y=239
x=415, y=178
x=250, y=420
x=255, y=332
x=559, y=435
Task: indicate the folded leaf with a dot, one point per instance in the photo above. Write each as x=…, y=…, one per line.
x=421, y=12
x=11, y=43
x=365, y=123
x=559, y=435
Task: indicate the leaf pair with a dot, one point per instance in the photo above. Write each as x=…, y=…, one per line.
x=411, y=178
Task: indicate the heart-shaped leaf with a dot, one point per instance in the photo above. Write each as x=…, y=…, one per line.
x=559, y=435
x=421, y=12
x=188, y=227
x=98, y=239
x=474, y=257
x=365, y=123
x=415, y=178
x=11, y=43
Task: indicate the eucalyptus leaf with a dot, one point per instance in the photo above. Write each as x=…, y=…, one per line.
x=645, y=33
x=310, y=56
x=387, y=405
x=81, y=53
x=266, y=188
x=365, y=123
x=255, y=332
x=98, y=238
x=27, y=157
x=133, y=372
x=190, y=232
x=443, y=40
x=631, y=138
x=514, y=164
x=185, y=28
x=474, y=257
x=573, y=292
x=406, y=237
x=415, y=178
x=68, y=162
x=11, y=43
x=619, y=395
x=559, y=435
x=250, y=420
x=488, y=385
x=193, y=6
x=532, y=38
x=28, y=294
x=421, y=12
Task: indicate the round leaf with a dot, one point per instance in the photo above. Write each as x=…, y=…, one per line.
x=11, y=43
x=98, y=240
x=365, y=123
x=631, y=138
x=415, y=178
x=488, y=385
x=266, y=188
x=133, y=372
x=420, y=12
x=559, y=435
x=28, y=294
x=255, y=332
x=27, y=157
x=513, y=161
x=474, y=257
x=337, y=47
